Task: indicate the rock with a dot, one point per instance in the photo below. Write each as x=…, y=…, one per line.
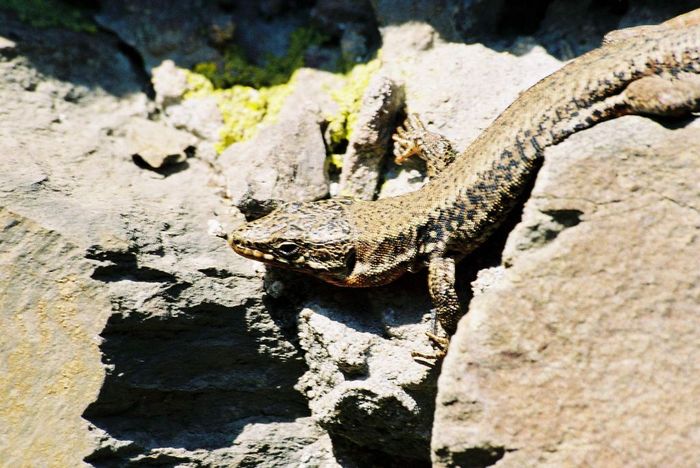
x=155, y=144
x=363, y=386
x=162, y=30
x=337, y=16
x=169, y=83
x=286, y=160
x=363, y=160
x=8, y=48
x=130, y=335
x=475, y=19
x=198, y=115
x=585, y=349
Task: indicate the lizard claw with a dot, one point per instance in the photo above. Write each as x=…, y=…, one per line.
x=441, y=344
x=407, y=139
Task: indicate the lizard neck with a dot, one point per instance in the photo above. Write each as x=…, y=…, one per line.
x=387, y=236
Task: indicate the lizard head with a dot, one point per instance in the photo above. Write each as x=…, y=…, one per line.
x=314, y=238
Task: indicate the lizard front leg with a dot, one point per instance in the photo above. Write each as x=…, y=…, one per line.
x=413, y=139
x=441, y=284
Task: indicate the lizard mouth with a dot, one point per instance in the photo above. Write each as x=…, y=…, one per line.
x=251, y=253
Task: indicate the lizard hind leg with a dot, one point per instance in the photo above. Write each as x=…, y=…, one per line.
x=664, y=97
x=413, y=139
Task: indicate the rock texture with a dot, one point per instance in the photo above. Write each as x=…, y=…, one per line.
x=160, y=30
x=133, y=337
x=369, y=143
x=585, y=350
x=285, y=161
x=130, y=335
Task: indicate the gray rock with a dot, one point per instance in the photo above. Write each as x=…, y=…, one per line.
x=337, y=16
x=364, y=158
x=362, y=383
x=130, y=335
x=161, y=30
x=198, y=115
x=155, y=144
x=593, y=327
x=286, y=160
x=169, y=83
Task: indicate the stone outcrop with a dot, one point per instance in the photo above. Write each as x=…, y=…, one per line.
x=131, y=336
x=585, y=351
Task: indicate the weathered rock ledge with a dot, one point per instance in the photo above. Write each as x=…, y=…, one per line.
x=131, y=336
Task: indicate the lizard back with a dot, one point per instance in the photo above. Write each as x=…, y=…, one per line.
x=458, y=209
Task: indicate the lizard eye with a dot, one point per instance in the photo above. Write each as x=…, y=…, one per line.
x=288, y=249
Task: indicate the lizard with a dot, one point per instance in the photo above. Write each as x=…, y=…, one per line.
x=646, y=70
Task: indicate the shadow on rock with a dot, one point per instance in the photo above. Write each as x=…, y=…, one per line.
x=191, y=380
x=88, y=61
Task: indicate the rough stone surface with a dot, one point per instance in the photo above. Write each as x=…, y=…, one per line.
x=162, y=30
x=155, y=144
x=362, y=162
x=362, y=383
x=197, y=115
x=129, y=334
x=585, y=350
x=132, y=337
x=285, y=161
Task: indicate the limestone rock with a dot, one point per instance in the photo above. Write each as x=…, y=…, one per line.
x=585, y=351
x=362, y=384
x=161, y=30
x=129, y=335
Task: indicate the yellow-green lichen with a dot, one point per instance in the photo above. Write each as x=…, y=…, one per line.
x=349, y=99
x=249, y=95
x=50, y=14
x=243, y=108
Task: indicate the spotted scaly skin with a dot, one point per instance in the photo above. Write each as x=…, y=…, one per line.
x=649, y=70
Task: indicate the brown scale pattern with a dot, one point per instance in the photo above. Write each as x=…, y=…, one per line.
x=464, y=203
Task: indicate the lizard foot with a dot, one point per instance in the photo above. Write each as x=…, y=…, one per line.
x=407, y=139
x=441, y=344
x=413, y=139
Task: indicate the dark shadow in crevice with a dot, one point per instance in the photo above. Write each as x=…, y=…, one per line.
x=350, y=455
x=674, y=123
x=92, y=60
x=118, y=266
x=565, y=28
x=192, y=379
x=137, y=64
x=479, y=457
x=167, y=169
